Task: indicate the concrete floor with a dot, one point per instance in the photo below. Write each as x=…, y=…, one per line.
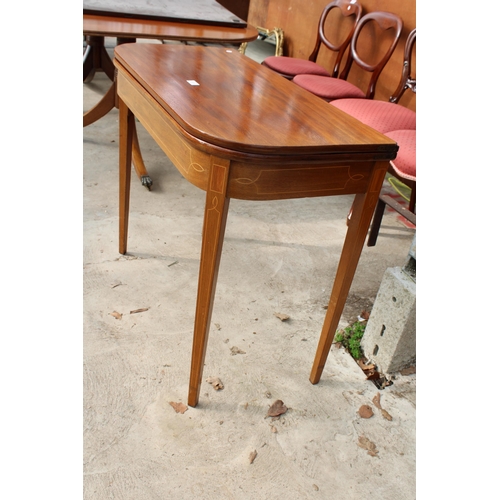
x=278, y=257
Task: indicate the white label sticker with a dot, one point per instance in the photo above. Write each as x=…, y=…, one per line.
x=192, y=82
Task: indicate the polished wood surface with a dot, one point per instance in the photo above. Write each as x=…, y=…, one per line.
x=245, y=132
x=386, y=25
x=408, y=80
x=162, y=30
x=236, y=105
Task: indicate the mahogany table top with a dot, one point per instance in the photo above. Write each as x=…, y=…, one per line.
x=226, y=99
x=121, y=27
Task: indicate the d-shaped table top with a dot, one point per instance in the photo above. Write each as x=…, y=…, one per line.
x=226, y=99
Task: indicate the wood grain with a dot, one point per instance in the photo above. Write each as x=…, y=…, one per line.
x=240, y=105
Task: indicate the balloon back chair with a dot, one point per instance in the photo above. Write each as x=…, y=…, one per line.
x=398, y=123
x=290, y=67
x=389, y=27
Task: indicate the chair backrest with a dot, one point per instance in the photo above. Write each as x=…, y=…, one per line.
x=347, y=8
x=386, y=21
x=407, y=80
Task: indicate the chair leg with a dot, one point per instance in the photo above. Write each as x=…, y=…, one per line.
x=413, y=200
x=376, y=222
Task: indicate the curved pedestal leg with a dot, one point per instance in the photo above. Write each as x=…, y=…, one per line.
x=103, y=107
x=95, y=57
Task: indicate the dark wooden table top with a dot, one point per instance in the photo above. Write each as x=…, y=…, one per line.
x=226, y=99
x=190, y=11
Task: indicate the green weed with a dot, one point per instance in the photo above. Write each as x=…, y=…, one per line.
x=350, y=337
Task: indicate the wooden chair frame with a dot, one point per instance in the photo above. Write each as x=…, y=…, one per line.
x=386, y=21
x=407, y=81
x=347, y=8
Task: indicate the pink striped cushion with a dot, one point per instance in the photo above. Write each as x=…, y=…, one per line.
x=328, y=88
x=405, y=163
x=292, y=66
x=381, y=115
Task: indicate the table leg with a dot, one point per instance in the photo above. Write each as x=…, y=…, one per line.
x=87, y=63
x=107, y=103
x=96, y=58
x=216, y=208
x=362, y=212
x=139, y=167
x=102, y=108
x=126, y=119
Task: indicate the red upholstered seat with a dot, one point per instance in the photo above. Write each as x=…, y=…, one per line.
x=404, y=167
x=328, y=88
x=405, y=164
x=350, y=12
x=291, y=66
x=381, y=115
x=400, y=124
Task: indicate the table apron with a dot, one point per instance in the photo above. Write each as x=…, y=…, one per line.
x=251, y=176
x=192, y=163
x=249, y=181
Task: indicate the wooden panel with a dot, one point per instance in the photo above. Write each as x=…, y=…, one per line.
x=257, y=12
x=300, y=25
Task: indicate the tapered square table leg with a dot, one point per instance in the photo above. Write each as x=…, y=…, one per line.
x=362, y=212
x=214, y=225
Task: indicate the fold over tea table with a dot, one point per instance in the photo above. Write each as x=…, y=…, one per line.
x=237, y=130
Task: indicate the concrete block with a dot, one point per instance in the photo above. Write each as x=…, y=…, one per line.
x=389, y=340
